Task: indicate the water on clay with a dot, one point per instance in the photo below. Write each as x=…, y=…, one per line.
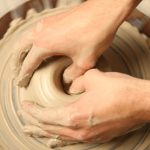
x=129, y=54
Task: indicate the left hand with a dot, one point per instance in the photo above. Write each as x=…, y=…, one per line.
x=111, y=105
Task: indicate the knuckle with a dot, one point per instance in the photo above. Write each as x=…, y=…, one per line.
x=83, y=135
x=74, y=118
x=69, y=123
x=73, y=121
x=85, y=64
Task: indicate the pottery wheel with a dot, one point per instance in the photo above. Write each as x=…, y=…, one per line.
x=129, y=54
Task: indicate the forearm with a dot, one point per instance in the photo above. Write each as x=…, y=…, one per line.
x=118, y=9
x=145, y=100
x=109, y=12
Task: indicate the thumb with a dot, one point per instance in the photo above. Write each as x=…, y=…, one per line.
x=77, y=68
x=72, y=72
x=77, y=86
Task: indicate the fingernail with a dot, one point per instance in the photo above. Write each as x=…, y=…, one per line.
x=75, y=92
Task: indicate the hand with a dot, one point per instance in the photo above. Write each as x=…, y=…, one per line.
x=112, y=104
x=78, y=33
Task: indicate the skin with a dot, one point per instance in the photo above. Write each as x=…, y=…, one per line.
x=62, y=34
x=112, y=103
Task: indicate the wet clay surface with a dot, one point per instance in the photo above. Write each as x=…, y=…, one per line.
x=129, y=54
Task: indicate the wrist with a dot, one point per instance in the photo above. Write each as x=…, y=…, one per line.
x=143, y=102
x=110, y=12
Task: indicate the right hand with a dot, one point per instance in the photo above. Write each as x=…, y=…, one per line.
x=78, y=33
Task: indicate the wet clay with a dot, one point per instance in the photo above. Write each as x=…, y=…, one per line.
x=129, y=54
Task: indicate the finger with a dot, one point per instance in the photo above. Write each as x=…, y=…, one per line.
x=28, y=118
x=70, y=134
x=59, y=130
x=21, y=49
x=83, y=82
x=49, y=131
x=55, y=141
x=65, y=133
x=52, y=143
x=30, y=64
x=68, y=116
x=72, y=72
x=18, y=58
x=35, y=131
x=57, y=116
x=77, y=86
x=80, y=65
